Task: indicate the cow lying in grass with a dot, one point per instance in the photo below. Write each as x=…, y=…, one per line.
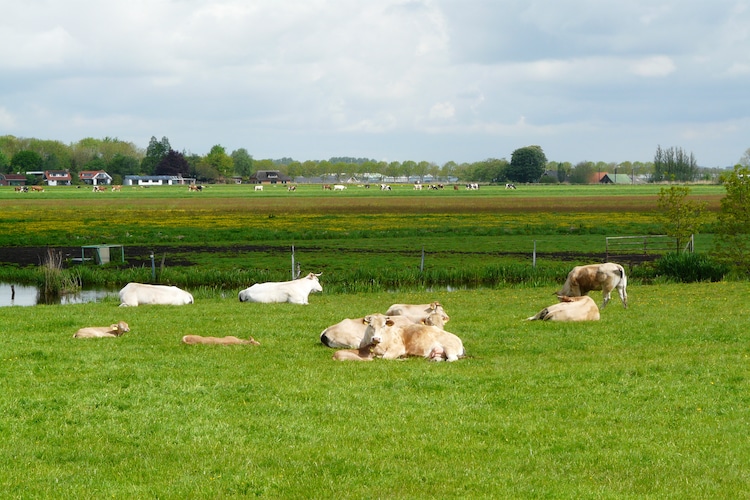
x=605, y=277
x=97, y=332
x=229, y=340
x=417, y=312
x=135, y=294
x=364, y=353
x=569, y=309
x=392, y=341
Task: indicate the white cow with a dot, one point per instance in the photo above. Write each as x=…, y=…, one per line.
x=569, y=309
x=349, y=332
x=294, y=292
x=135, y=294
x=338, y=187
x=259, y=188
x=417, y=312
x=391, y=341
x=605, y=277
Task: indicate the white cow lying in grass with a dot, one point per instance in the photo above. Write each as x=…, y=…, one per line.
x=135, y=294
x=417, y=312
x=605, y=277
x=569, y=309
x=98, y=332
x=294, y=292
x=391, y=341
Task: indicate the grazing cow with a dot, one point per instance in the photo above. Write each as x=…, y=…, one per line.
x=291, y=188
x=195, y=187
x=21, y=189
x=417, y=186
x=229, y=340
x=364, y=353
x=510, y=186
x=294, y=292
x=99, y=189
x=117, y=187
x=392, y=341
x=338, y=187
x=569, y=309
x=349, y=332
x=385, y=187
x=473, y=186
x=259, y=188
x=326, y=187
x=605, y=277
x=97, y=332
x=135, y=294
x=417, y=312
x=37, y=189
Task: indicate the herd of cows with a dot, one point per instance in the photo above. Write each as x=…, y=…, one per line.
x=403, y=330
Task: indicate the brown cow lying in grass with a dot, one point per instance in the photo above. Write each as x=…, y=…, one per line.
x=229, y=340
x=569, y=309
x=96, y=332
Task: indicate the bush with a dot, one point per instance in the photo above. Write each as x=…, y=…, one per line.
x=690, y=267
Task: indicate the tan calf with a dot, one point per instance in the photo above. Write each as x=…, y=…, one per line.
x=229, y=340
x=95, y=332
x=569, y=309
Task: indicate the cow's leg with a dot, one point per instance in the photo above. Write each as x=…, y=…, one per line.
x=623, y=295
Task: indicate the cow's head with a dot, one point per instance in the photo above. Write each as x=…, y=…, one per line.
x=120, y=328
x=437, y=307
x=314, y=282
x=376, y=325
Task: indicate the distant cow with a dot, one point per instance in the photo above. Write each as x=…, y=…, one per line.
x=605, y=277
x=294, y=292
x=291, y=188
x=97, y=332
x=21, y=189
x=38, y=189
x=510, y=186
x=195, y=187
x=117, y=187
x=392, y=341
x=229, y=340
x=417, y=312
x=569, y=309
x=259, y=188
x=135, y=294
x=385, y=187
x=338, y=187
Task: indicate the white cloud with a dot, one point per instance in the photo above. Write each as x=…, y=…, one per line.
x=7, y=120
x=656, y=66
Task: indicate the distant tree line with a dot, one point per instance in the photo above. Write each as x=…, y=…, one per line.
x=527, y=164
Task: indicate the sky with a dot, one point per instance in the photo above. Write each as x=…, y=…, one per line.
x=390, y=80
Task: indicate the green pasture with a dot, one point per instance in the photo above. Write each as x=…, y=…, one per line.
x=649, y=402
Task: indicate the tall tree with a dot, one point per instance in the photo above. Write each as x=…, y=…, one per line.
x=25, y=161
x=732, y=243
x=174, y=163
x=681, y=217
x=581, y=173
x=674, y=164
x=220, y=160
x=155, y=152
x=526, y=164
x=243, y=162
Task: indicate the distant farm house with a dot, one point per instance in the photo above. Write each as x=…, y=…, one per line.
x=607, y=178
x=12, y=180
x=95, y=177
x=269, y=177
x=57, y=177
x=155, y=180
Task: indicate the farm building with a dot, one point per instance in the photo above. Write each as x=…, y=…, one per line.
x=607, y=178
x=57, y=177
x=12, y=180
x=94, y=177
x=269, y=177
x=153, y=180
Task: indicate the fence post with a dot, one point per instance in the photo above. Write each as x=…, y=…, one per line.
x=292, y=261
x=533, y=258
x=421, y=264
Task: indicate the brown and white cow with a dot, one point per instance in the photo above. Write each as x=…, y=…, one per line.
x=391, y=341
x=117, y=188
x=417, y=312
x=228, y=340
x=348, y=333
x=569, y=309
x=605, y=277
x=97, y=332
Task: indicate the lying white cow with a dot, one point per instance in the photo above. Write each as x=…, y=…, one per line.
x=135, y=294
x=294, y=292
x=228, y=340
x=348, y=332
x=570, y=309
x=98, y=332
x=605, y=277
x=391, y=341
x=417, y=312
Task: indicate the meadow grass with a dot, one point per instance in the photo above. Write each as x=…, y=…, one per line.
x=649, y=402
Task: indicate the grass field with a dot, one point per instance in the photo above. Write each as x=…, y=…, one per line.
x=649, y=402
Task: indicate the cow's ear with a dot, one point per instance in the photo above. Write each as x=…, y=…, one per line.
x=366, y=320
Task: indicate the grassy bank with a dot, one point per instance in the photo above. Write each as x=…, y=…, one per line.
x=649, y=402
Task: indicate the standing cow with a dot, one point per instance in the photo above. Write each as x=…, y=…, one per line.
x=294, y=292
x=605, y=277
